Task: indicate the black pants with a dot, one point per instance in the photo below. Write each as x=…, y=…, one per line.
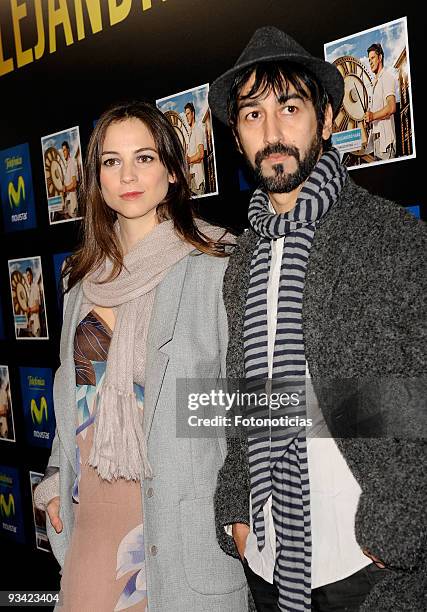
x=345, y=595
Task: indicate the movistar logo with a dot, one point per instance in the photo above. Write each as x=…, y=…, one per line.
x=15, y=194
x=37, y=412
x=7, y=508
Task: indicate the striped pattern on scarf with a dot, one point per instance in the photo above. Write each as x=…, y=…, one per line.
x=278, y=463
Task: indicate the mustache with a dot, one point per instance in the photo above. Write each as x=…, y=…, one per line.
x=272, y=149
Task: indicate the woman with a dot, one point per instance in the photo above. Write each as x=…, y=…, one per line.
x=145, y=291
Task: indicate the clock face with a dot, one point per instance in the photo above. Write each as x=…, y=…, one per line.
x=54, y=171
x=180, y=127
x=20, y=292
x=357, y=88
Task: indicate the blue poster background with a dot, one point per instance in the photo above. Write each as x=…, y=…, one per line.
x=37, y=400
x=11, y=514
x=16, y=188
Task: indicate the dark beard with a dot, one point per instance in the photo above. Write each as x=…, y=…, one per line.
x=281, y=182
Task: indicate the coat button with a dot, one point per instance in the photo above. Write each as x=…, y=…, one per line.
x=153, y=550
x=150, y=492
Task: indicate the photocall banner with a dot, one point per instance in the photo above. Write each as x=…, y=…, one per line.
x=59, y=262
x=11, y=519
x=37, y=400
x=2, y=336
x=7, y=426
x=16, y=185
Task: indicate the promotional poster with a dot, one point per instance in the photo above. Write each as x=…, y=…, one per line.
x=59, y=262
x=2, y=336
x=16, y=188
x=11, y=518
x=190, y=115
x=37, y=402
x=39, y=517
x=28, y=301
x=62, y=159
x=7, y=427
x=375, y=122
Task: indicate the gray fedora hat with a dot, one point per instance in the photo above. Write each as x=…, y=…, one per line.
x=271, y=44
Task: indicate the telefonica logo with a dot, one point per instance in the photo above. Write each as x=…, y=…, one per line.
x=15, y=194
x=7, y=509
x=37, y=412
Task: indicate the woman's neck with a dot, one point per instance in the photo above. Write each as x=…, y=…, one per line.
x=133, y=230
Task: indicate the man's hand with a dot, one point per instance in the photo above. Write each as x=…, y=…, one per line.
x=240, y=535
x=375, y=559
x=369, y=116
x=52, y=510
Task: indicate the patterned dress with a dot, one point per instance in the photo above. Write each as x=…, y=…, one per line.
x=104, y=567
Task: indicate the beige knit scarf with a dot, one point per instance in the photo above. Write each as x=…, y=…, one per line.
x=119, y=447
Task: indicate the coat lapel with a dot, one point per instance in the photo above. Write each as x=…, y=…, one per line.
x=161, y=331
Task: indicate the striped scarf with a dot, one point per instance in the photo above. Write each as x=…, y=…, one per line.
x=278, y=463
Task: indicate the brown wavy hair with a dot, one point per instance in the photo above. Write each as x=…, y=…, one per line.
x=98, y=238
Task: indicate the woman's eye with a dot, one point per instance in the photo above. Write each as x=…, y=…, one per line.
x=111, y=161
x=145, y=158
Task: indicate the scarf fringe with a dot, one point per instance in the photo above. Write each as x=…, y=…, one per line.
x=119, y=448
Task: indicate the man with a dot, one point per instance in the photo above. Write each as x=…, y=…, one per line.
x=34, y=305
x=195, y=151
x=328, y=279
x=383, y=106
x=70, y=182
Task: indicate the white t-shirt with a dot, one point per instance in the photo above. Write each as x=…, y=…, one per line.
x=384, y=86
x=34, y=300
x=197, y=137
x=334, y=492
x=71, y=196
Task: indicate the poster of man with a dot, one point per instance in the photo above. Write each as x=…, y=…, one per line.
x=28, y=301
x=189, y=113
x=60, y=260
x=39, y=516
x=375, y=122
x=63, y=172
x=7, y=427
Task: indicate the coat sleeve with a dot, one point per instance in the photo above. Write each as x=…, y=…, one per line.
x=233, y=485
x=390, y=520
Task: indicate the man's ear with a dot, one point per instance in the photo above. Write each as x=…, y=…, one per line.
x=237, y=140
x=327, y=123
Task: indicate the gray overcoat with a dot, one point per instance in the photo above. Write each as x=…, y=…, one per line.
x=185, y=567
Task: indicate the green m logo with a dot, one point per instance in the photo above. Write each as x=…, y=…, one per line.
x=37, y=412
x=7, y=509
x=15, y=194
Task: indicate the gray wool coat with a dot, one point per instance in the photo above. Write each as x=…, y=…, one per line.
x=187, y=338
x=364, y=315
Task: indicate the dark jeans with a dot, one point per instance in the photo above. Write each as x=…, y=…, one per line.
x=346, y=595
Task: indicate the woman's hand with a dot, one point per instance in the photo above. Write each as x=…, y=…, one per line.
x=52, y=510
x=240, y=535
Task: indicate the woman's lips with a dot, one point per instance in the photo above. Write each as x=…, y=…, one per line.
x=131, y=195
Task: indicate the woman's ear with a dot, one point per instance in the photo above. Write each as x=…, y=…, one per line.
x=171, y=178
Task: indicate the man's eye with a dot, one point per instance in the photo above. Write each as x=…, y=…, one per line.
x=253, y=115
x=289, y=109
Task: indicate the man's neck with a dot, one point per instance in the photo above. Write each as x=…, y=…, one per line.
x=284, y=202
